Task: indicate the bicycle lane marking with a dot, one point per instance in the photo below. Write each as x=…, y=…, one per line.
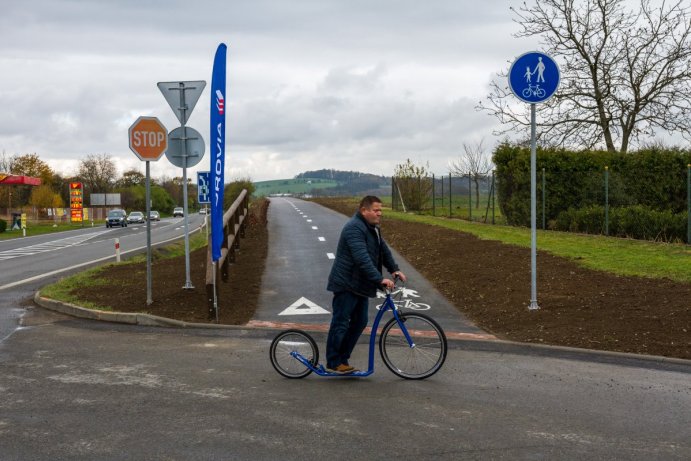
x=294, y=282
x=304, y=252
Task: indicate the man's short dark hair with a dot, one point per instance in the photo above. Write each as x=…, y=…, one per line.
x=368, y=201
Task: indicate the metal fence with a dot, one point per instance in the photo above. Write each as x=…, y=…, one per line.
x=602, y=205
x=466, y=197
x=606, y=205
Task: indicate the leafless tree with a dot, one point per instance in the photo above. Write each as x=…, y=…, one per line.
x=98, y=172
x=413, y=184
x=6, y=162
x=624, y=73
x=475, y=163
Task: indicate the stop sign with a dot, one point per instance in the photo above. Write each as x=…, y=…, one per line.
x=148, y=138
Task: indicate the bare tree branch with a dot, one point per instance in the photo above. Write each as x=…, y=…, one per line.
x=624, y=74
x=98, y=172
x=474, y=162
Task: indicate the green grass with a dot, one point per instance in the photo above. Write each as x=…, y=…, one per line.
x=39, y=229
x=64, y=289
x=460, y=209
x=67, y=289
x=291, y=186
x=177, y=248
x=618, y=256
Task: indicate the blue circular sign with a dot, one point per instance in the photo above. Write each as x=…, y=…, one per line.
x=534, y=77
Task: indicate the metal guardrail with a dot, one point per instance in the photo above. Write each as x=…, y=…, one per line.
x=233, y=229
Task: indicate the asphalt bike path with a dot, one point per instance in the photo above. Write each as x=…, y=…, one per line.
x=303, y=237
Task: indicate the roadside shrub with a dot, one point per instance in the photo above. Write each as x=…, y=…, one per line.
x=640, y=222
x=232, y=190
x=637, y=222
x=590, y=220
x=3, y=225
x=653, y=178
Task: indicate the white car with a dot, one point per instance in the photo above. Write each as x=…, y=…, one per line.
x=178, y=211
x=136, y=217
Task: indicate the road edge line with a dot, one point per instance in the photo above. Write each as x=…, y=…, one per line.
x=87, y=263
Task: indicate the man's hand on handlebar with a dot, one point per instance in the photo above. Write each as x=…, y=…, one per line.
x=391, y=284
x=400, y=275
x=388, y=284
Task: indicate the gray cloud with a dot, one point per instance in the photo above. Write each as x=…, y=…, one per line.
x=311, y=84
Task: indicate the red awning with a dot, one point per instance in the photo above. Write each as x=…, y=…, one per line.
x=13, y=179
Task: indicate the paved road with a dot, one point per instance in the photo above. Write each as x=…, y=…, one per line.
x=76, y=389
x=35, y=261
x=303, y=239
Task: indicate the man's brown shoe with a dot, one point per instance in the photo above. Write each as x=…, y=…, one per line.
x=342, y=369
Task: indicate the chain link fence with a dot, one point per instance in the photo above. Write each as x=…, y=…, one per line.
x=605, y=205
x=608, y=206
x=470, y=197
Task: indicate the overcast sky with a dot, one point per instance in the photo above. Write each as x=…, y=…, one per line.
x=349, y=84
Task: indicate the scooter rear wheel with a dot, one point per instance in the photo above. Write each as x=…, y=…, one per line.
x=284, y=362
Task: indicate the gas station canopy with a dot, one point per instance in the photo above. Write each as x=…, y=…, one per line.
x=13, y=179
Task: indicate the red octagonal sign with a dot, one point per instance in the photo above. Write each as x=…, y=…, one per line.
x=148, y=138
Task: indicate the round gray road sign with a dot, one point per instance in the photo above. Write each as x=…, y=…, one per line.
x=194, y=147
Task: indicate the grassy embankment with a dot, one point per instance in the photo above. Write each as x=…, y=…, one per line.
x=619, y=256
x=67, y=289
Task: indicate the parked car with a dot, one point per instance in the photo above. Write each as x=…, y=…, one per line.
x=178, y=211
x=116, y=218
x=154, y=216
x=202, y=211
x=136, y=217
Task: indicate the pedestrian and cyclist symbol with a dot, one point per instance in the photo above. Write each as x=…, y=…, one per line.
x=539, y=70
x=534, y=77
x=402, y=299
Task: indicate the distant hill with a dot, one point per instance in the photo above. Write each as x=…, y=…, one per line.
x=326, y=183
x=292, y=186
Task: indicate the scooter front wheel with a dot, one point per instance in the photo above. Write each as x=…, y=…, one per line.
x=419, y=360
x=282, y=350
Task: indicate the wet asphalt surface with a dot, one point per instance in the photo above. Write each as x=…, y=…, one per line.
x=76, y=389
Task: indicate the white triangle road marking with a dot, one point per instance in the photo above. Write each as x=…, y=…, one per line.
x=304, y=306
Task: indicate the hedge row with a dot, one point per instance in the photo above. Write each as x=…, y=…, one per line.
x=652, y=178
x=3, y=225
x=638, y=222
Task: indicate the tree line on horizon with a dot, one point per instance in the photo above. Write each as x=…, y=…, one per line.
x=349, y=182
x=98, y=174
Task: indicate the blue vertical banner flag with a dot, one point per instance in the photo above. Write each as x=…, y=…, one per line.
x=218, y=153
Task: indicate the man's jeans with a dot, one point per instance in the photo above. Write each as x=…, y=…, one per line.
x=347, y=324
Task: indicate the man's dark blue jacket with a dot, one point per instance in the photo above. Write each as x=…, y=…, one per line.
x=360, y=255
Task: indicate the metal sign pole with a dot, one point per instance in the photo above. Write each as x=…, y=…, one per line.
x=188, y=282
x=533, y=212
x=215, y=268
x=149, y=300
x=533, y=78
x=182, y=105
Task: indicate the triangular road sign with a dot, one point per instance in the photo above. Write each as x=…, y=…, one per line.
x=304, y=306
x=172, y=91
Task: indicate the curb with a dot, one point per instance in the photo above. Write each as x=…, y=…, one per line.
x=129, y=318
x=492, y=344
